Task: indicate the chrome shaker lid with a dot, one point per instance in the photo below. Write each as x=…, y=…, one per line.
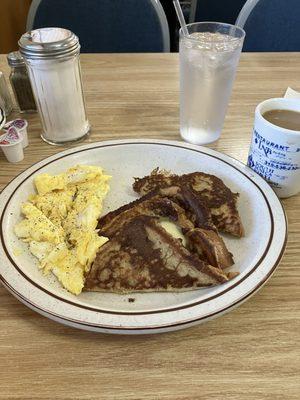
x=46, y=43
x=15, y=59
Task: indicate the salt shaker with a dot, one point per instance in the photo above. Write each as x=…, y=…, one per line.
x=20, y=82
x=52, y=59
x=6, y=102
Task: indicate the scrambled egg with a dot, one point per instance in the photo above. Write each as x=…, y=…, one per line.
x=60, y=222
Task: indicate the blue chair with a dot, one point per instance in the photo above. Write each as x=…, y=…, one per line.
x=215, y=10
x=271, y=25
x=107, y=26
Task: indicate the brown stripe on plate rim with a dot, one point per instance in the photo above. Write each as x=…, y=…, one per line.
x=149, y=328
x=137, y=312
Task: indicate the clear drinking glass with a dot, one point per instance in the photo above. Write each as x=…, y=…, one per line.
x=209, y=56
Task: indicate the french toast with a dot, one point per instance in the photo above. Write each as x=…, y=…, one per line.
x=210, y=247
x=153, y=204
x=142, y=257
x=209, y=189
x=184, y=209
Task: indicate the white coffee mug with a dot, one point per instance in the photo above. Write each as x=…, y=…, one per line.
x=275, y=152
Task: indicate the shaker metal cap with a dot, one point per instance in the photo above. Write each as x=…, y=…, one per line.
x=46, y=43
x=15, y=59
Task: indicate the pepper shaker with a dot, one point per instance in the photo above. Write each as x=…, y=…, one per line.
x=6, y=102
x=20, y=82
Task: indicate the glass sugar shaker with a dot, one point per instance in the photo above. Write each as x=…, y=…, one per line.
x=52, y=59
x=6, y=102
x=20, y=82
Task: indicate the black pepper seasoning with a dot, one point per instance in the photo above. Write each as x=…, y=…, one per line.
x=20, y=82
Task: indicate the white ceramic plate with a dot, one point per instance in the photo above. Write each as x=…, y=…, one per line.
x=256, y=255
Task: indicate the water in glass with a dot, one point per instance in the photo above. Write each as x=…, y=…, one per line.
x=208, y=62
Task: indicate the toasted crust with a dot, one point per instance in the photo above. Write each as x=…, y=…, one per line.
x=183, y=208
x=208, y=188
x=153, y=205
x=210, y=247
x=143, y=257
